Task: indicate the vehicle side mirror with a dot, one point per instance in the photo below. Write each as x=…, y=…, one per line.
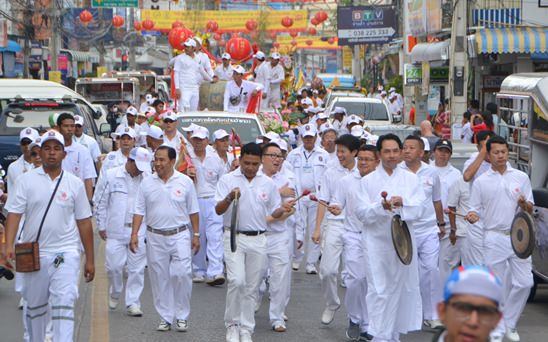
x=97, y=114
x=396, y=119
x=105, y=129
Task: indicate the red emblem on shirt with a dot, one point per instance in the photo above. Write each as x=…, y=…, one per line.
x=178, y=193
x=263, y=196
x=63, y=196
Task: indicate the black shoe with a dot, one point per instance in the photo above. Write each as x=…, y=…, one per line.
x=364, y=336
x=353, y=331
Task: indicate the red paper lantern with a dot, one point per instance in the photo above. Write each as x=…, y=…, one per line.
x=176, y=24
x=137, y=26
x=273, y=35
x=178, y=36
x=312, y=31
x=309, y=42
x=314, y=21
x=293, y=33
x=147, y=24
x=331, y=40
x=117, y=21
x=276, y=45
x=86, y=17
x=222, y=43
x=239, y=48
x=251, y=25
x=321, y=16
x=212, y=26
x=217, y=36
x=287, y=22
x=294, y=43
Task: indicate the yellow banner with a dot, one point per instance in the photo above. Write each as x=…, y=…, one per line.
x=101, y=70
x=55, y=76
x=317, y=43
x=232, y=21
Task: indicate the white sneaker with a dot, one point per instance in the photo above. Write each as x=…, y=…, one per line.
x=512, y=335
x=217, y=280
x=134, y=311
x=181, y=325
x=163, y=326
x=113, y=303
x=233, y=333
x=311, y=269
x=295, y=266
x=198, y=279
x=284, y=317
x=328, y=315
x=433, y=323
x=48, y=339
x=245, y=336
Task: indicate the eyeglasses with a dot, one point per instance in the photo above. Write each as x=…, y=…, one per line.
x=487, y=315
x=274, y=156
x=34, y=154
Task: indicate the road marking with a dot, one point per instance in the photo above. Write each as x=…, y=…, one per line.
x=99, y=322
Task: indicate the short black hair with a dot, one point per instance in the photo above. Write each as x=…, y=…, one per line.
x=467, y=115
x=349, y=141
x=157, y=102
x=417, y=139
x=389, y=136
x=474, y=104
x=495, y=139
x=368, y=147
x=171, y=153
x=270, y=144
x=251, y=149
x=64, y=116
x=483, y=135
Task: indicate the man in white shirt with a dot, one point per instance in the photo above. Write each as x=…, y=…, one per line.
x=85, y=140
x=221, y=145
x=496, y=197
x=154, y=138
x=338, y=114
x=224, y=71
x=188, y=76
x=167, y=203
x=330, y=232
x=172, y=136
x=329, y=136
x=427, y=232
x=262, y=76
x=239, y=91
x=467, y=134
x=61, y=231
x=203, y=59
x=276, y=76
x=78, y=160
x=206, y=171
x=114, y=200
x=308, y=162
x=125, y=138
x=131, y=121
x=24, y=162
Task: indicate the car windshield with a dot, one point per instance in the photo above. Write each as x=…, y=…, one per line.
x=247, y=129
x=366, y=110
x=105, y=93
x=28, y=115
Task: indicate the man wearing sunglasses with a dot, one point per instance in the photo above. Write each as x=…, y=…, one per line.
x=470, y=307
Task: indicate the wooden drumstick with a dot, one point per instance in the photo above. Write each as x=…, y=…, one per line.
x=448, y=211
x=315, y=199
x=384, y=194
x=306, y=192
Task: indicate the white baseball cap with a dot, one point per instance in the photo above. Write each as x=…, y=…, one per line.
x=36, y=142
x=226, y=55
x=200, y=132
x=132, y=111
x=143, y=114
x=282, y=144
x=190, y=127
x=239, y=69
x=120, y=132
x=155, y=132
x=353, y=119
x=28, y=133
x=383, y=93
x=142, y=158
x=308, y=130
x=259, y=55
x=150, y=110
x=259, y=140
x=79, y=120
x=357, y=131
x=198, y=40
x=426, y=144
x=327, y=127
x=391, y=90
x=170, y=116
x=271, y=136
x=275, y=55
x=220, y=134
x=52, y=135
x=307, y=101
x=321, y=116
x=190, y=42
x=392, y=96
x=339, y=110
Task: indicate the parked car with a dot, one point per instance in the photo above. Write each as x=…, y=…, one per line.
x=334, y=94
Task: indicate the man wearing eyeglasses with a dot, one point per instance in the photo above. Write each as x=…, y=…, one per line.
x=470, y=307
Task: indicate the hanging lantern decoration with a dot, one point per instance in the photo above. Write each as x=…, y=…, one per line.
x=331, y=40
x=293, y=33
x=239, y=48
x=314, y=21
x=321, y=16
x=293, y=43
x=147, y=24
x=222, y=43
x=287, y=22
x=251, y=25
x=217, y=36
x=273, y=35
x=176, y=24
x=178, y=36
x=276, y=45
x=117, y=21
x=312, y=31
x=309, y=42
x=212, y=26
x=137, y=26
x=86, y=17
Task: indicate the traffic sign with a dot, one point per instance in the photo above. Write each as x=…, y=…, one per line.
x=114, y=3
x=366, y=25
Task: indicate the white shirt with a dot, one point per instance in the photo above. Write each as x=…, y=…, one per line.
x=495, y=197
x=330, y=182
x=31, y=197
x=483, y=167
x=113, y=159
x=176, y=142
x=276, y=76
x=467, y=134
x=78, y=162
x=459, y=198
x=347, y=196
x=245, y=90
x=448, y=176
x=16, y=169
x=204, y=61
x=281, y=180
x=224, y=74
x=308, y=167
x=262, y=76
x=166, y=205
x=188, y=72
x=259, y=198
x=89, y=143
x=208, y=173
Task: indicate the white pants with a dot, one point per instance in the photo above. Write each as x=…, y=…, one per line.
x=395, y=338
x=331, y=247
x=211, y=241
x=189, y=100
x=355, y=278
x=428, y=248
x=279, y=265
x=56, y=286
x=306, y=224
x=245, y=269
x=273, y=98
x=500, y=256
x=450, y=257
x=170, y=269
x=472, y=253
x=118, y=255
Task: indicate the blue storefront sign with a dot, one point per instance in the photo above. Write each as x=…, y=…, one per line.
x=365, y=25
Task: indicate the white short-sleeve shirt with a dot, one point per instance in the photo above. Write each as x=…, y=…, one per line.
x=78, y=162
x=208, y=173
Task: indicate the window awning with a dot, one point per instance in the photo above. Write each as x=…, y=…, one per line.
x=425, y=52
x=512, y=40
x=81, y=56
x=13, y=46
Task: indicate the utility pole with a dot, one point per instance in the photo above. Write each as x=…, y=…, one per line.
x=458, y=62
x=54, y=40
x=132, y=52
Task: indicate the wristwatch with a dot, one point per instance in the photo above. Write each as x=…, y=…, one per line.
x=441, y=224
x=196, y=234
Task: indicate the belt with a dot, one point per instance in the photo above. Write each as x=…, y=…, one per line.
x=127, y=225
x=167, y=232
x=252, y=232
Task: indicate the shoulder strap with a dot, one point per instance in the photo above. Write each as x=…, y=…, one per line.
x=49, y=205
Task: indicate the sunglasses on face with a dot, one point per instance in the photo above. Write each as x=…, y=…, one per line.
x=168, y=121
x=34, y=154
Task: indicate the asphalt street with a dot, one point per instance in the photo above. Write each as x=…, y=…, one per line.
x=96, y=323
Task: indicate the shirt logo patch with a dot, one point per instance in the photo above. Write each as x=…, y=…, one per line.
x=320, y=158
x=178, y=193
x=111, y=157
x=63, y=196
x=263, y=196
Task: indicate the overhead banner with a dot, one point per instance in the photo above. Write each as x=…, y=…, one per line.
x=424, y=17
x=228, y=21
x=316, y=43
x=366, y=25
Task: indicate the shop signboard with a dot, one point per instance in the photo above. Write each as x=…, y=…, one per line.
x=114, y=3
x=366, y=25
x=413, y=74
x=424, y=17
